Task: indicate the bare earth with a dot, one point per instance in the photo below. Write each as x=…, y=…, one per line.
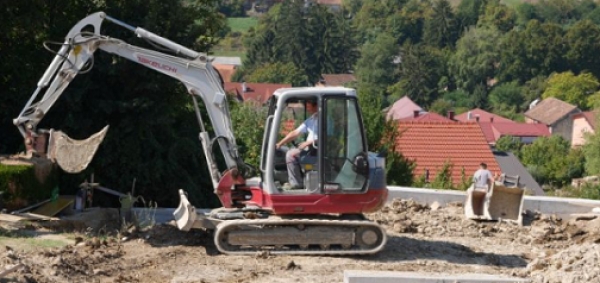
x=423, y=239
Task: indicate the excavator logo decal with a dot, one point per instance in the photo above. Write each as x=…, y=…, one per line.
x=156, y=65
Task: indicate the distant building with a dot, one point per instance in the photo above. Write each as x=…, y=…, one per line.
x=431, y=144
x=402, y=108
x=253, y=92
x=583, y=123
x=337, y=79
x=554, y=113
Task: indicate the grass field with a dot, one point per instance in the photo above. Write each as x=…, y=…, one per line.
x=241, y=24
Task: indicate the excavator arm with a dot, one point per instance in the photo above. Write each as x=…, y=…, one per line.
x=75, y=57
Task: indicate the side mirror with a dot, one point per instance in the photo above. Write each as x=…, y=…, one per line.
x=360, y=164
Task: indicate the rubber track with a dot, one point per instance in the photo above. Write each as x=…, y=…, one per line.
x=355, y=250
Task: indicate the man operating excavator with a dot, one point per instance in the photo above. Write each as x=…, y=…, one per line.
x=292, y=157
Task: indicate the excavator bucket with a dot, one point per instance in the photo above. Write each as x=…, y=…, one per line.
x=185, y=214
x=72, y=155
x=504, y=201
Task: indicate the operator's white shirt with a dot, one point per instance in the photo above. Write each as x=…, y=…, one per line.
x=481, y=178
x=311, y=126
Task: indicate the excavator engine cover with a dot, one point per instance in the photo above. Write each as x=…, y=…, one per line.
x=72, y=155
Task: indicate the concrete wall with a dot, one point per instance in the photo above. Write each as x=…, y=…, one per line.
x=547, y=205
x=564, y=126
x=580, y=126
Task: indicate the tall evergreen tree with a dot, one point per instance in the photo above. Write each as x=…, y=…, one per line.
x=442, y=29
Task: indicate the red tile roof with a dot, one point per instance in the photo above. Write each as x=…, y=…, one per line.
x=493, y=130
x=403, y=108
x=430, y=144
x=338, y=79
x=522, y=129
x=258, y=92
x=483, y=115
x=225, y=70
x=428, y=116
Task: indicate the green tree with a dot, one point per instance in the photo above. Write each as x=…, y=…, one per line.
x=583, y=41
x=280, y=73
x=420, y=72
x=375, y=66
x=443, y=177
x=248, y=122
x=315, y=40
x=509, y=144
x=441, y=106
x=498, y=16
x=532, y=90
x=506, y=94
x=408, y=23
x=459, y=98
x=399, y=169
x=571, y=88
x=552, y=161
x=371, y=19
x=475, y=59
x=537, y=50
x=469, y=11
x=442, y=29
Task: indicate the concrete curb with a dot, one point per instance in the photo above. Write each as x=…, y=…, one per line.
x=547, y=205
x=366, y=276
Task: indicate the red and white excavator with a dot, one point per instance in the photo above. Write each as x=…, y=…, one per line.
x=342, y=180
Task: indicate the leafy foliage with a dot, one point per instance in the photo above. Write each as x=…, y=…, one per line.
x=571, y=88
x=551, y=160
x=420, y=71
x=249, y=125
x=510, y=144
x=313, y=39
x=473, y=63
x=443, y=177
x=280, y=73
x=442, y=29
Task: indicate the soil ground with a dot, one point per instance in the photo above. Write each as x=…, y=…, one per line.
x=432, y=240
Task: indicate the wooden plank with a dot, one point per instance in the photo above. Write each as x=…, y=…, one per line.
x=54, y=207
x=11, y=218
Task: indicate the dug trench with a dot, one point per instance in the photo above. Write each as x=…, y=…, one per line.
x=430, y=240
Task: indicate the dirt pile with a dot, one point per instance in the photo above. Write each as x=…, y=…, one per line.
x=429, y=239
x=93, y=258
x=408, y=216
x=578, y=263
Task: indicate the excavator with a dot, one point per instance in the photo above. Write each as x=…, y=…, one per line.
x=342, y=179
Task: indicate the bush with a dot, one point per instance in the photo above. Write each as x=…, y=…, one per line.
x=26, y=183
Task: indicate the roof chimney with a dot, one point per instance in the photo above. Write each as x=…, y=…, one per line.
x=477, y=118
x=244, y=87
x=416, y=113
x=468, y=115
x=491, y=119
x=451, y=114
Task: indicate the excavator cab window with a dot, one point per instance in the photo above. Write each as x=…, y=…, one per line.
x=343, y=150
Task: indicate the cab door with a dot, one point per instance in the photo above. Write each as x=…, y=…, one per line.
x=343, y=149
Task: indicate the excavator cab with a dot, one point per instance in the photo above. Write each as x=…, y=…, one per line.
x=337, y=161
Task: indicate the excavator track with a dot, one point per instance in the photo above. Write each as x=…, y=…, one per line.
x=299, y=237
